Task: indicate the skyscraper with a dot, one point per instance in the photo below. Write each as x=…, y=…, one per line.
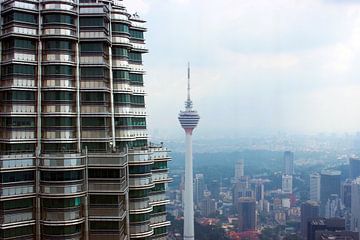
x=355, y=205
x=287, y=184
x=199, y=188
x=329, y=184
x=354, y=167
x=75, y=157
x=309, y=210
x=288, y=163
x=246, y=209
x=315, y=187
x=188, y=120
x=239, y=169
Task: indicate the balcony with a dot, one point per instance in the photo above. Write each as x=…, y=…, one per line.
x=122, y=87
x=17, y=191
x=59, y=7
x=139, y=46
x=16, y=217
x=94, y=34
x=120, y=16
x=141, y=182
x=136, y=67
x=158, y=218
x=59, y=134
x=94, y=84
x=17, y=134
x=137, y=24
x=160, y=177
x=18, y=109
x=18, y=55
x=139, y=157
x=69, y=189
x=127, y=110
x=97, y=186
x=139, y=90
x=20, y=31
x=59, y=109
x=121, y=40
x=158, y=199
x=131, y=134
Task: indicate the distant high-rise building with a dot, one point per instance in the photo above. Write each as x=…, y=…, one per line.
x=323, y=224
x=288, y=163
x=207, y=206
x=355, y=205
x=239, y=169
x=199, y=188
x=257, y=185
x=337, y=235
x=315, y=187
x=329, y=184
x=354, y=168
x=309, y=210
x=246, y=209
x=333, y=207
x=189, y=119
x=287, y=181
x=346, y=193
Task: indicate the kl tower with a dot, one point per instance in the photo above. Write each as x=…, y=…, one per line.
x=188, y=120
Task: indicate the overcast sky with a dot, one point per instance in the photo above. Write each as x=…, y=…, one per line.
x=258, y=66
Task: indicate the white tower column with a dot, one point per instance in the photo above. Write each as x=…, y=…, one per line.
x=189, y=198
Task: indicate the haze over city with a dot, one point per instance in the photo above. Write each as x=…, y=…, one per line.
x=258, y=67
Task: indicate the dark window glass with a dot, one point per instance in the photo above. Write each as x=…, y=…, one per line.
x=136, y=34
x=17, y=232
x=104, y=200
x=120, y=28
x=136, y=78
x=17, y=204
x=58, y=122
x=93, y=122
x=106, y=173
x=139, y=217
x=61, y=202
x=92, y=22
x=137, y=100
x=18, y=96
x=92, y=47
x=61, y=175
x=120, y=75
x=58, y=70
x=17, y=147
x=58, y=18
x=138, y=122
x=89, y=72
x=20, y=17
x=19, y=43
x=135, y=57
x=158, y=187
x=17, y=176
x=104, y=225
x=17, y=122
x=18, y=70
x=160, y=165
x=94, y=146
x=159, y=209
x=58, y=96
x=92, y=97
x=160, y=230
x=122, y=98
x=123, y=122
x=139, y=193
x=58, y=45
x=58, y=147
x=140, y=169
x=61, y=230
x=119, y=52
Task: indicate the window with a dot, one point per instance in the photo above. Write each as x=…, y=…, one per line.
x=136, y=34
x=20, y=17
x=105, y=225
x=16, y=232
x=17, y=69
x=120, y=28
x=92, y=47
x=58, y=96
x=61, y=175
x=58, y=45
x=158, y=187
x=17, y=122
x=120, y=75
x=119, y=52
x=61, y=230
x=140, y=169
x=92, y=97
x=92, y=22
x=58, y=122
x=122, y=98
x=138, y=122
x=93, y=122
x=136, y=78
x=139, y=193
x=160, y=230
x=58, y=18
x=123, y=122
x=18, y=96
x=58, y=70
x=8, y=177
x=58, y=147
x=19, y=43
x=104, y=200
x=17, y=147
x=17, y=203
x=135, y=57
x=159, y=209
x=106, y=173
x=139, y=217
x=159, y=165
x=94, y=146
x=61, y=202
x=137, y=100
x=91, y=72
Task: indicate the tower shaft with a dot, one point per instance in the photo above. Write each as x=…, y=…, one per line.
x=189, y=198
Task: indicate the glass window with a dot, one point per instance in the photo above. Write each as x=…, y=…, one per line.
x=58, y=45
x=18, y=96
x=61, y=202
x=106, y=173
x=92, y=97
x=139, y=217
x=58, y=122
x=16, y=232
x=20, y=17
x=61, y=175
x=17, y=122
x=138, y=122
x=159, y=209
x=136, y=34
x=19, y=43
x=136, y=78
x=92, y=22
x=58, y=18
x=159, y=165
x=17, y=147
x=58, y=147
x=120, y=28
x=120, y=75
x=138, y=193
x=140, y=169
x=137, y=100
x=135, y=57
x=92, y=122
x=58, y=70
x=8, y=177
x=160, y=230
x=158, y=187
x=61, y=230
x=92, y=47
x=122, y=98
x=104, y=225
x=17, y=203
x=104, y=200
x=17, y=69
x=119, y=52
x=94, y=146
x=57, y=96
x=89, y=72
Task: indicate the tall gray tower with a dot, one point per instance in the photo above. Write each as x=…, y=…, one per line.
x=188, y=120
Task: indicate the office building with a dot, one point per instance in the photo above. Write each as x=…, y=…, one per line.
x=323, y=224
x=354, y=168
x=239, y=169
x=246, y=210
x=288, y=163
x=309, y=211
x=346, y=193
x=286, y=185
x=315, y=187
x=329, y=184
x=207, y=206
x=337, y=235
x=334, y=207
x=355, y=205
x=189, y=119
x=199, y=188
x=75, y=158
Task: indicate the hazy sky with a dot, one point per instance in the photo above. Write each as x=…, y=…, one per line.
x=257, y=65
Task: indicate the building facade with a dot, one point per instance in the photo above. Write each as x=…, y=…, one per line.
x=315, y=187
x=75, y=158
x=329, y=184
x=354, y=168
x=288, y=163
x=355, y=205
x=246, y=209
x=286, y=184
x=309, y=211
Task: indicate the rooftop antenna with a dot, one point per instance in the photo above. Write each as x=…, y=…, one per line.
x=188, y=104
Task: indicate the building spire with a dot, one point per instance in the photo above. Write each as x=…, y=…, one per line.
x=188, y=103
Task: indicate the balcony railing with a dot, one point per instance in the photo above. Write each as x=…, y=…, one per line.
x=18, y=56
x=94, y=58
x=59, y=56
x=144, y=182
x=59, y=134
x=93, y=109
x=62, y=163
x=94, y=84
x=95, y=134
x=141, y=230
x=59, y=6
x=104, y=160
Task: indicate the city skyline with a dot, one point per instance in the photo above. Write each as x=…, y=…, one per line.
x=269, y=67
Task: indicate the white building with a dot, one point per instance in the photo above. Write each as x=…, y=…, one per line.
x=355, y=205
x=239, y=169
x=315, y=187
x=287, y=184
